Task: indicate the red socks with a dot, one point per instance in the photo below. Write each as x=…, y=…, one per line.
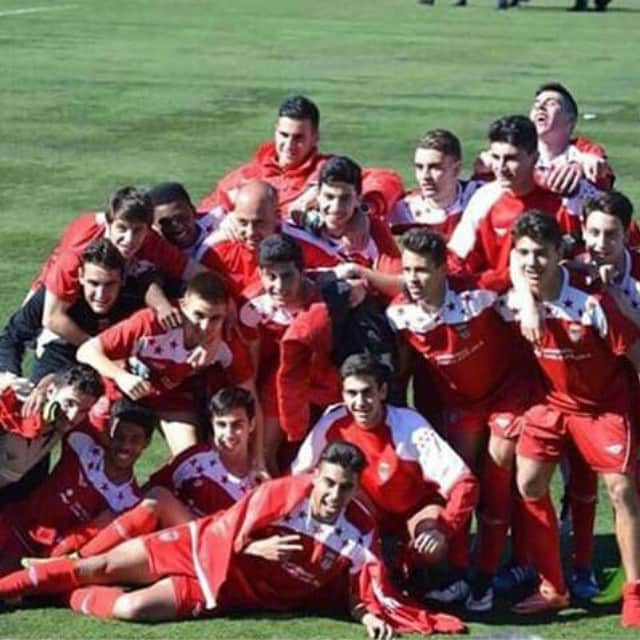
x=495, y=503
x=582, y=489
x=137, y=521
x=630, y=605
x=543, y=538
x=95, y=601
x=43, y=579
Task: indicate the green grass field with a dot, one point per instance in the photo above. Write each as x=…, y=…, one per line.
x=97, y=94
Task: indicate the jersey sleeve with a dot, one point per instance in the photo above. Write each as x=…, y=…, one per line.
x=119, y=340
x=381, y=189
x=62, y=278
x=240, y=368
x=621, y=333
x=165, y=256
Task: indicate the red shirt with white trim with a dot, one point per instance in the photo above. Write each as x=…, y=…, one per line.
x=580, y=352
x=76, y=492
x=408, y=465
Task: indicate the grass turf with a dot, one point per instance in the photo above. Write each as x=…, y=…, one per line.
x=95, y=95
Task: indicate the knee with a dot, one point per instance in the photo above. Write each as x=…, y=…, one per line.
x=623, y=494
x=129, y=607
x=532, y=487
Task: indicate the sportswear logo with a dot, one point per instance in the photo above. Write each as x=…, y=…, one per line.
x=384, y=471
x=501, y=231
x=575, y=332
x=614, y=449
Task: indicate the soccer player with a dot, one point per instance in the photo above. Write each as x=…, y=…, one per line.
x=482, y=374
x=589, y=405
x=441, y=196
x=93, y=480
x=102, y=301
x=159, y=364
x=291, y=164
x=27, y=440
x=481, y=242
x=292, y=544
x=127, y=223
x=202, y=480
x=409, y=467
x=270, y=309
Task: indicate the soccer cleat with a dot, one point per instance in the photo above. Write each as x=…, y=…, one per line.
x=454, y=592
x=480, y=599
x=630, y=605
x=546, y=598
x=514, y=576
x=583, y=584
x=612, y=592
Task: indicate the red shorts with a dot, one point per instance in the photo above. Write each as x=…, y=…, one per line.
x=604, y=441
x=502, y=413
x=169, y=554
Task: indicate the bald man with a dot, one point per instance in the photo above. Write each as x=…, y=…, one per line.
x=253, y=217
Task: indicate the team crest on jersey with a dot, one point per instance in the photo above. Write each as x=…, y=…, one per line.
x=384, y=471
x=575, y=332
x=168, y=536
x=462, y=329
x=327, y=560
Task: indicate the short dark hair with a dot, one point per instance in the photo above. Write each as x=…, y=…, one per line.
x=539, y=226
x=568, y=101
x=426, y=243
x=345, y=455
x=167, y=192
x=103, y=253
x=209, y=286
x=516, y=130
x=126, y=409
x=299, y=107
x=613, y=203
x=364, y=364
x=341, y=169
x=278, y=248
x=131, y=204
x=230, y=398
x=443, y=141
x=81, y=377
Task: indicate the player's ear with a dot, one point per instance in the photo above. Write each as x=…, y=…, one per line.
x=457, y=167
x=384, y=390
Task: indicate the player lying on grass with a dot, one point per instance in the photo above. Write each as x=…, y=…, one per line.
x=291, y=164
x=102, y=301
x=202, y=480
x=159, y=364
x=92, y=481
x=419, y=490
x=27, y=437
x=441, y=196
x=482, y=375
x=589, y=404
x=296, y=543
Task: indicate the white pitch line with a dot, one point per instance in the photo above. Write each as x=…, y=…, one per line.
x=20, y=12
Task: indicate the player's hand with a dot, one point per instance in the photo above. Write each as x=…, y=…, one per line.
x=430, y=543
x=306, y=201
x=357, y=233
x=133, y=386
x=594, y=167
x=168, y=316
x=482, y=164
x=275, y=548
x=37, y=398
x=377, y=629
x=348, y=271
x=532, y=322
x=564, y=179
x=608, y=274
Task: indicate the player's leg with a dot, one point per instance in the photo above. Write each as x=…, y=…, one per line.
x=179, y=429
x=159, y=509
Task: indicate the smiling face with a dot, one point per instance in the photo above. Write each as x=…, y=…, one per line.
x=604, y=237
x=204, y=320
x=538, y=263
x=512, y=166
x=436, y=173
x=176, y=222
x=282, y=281
x=422, y=278
x=100, y=287
x=333, y=487
x=125, y=446
x=127, y=236
x=232, y=431
x=294, y=140
x=255, y=216
x=337, y=202
x=364, y=398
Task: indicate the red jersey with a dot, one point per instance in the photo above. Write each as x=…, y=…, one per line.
x=338, y=563
x=380, y=252
x=482, y=241
x=306, y=374
x=199, y=479
x=408, y=465
x=239, y=264
x=76, y=492
x=413, y=211
x=580, y=350
x=471, y=353
x=161, y=355
x=59, y=273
